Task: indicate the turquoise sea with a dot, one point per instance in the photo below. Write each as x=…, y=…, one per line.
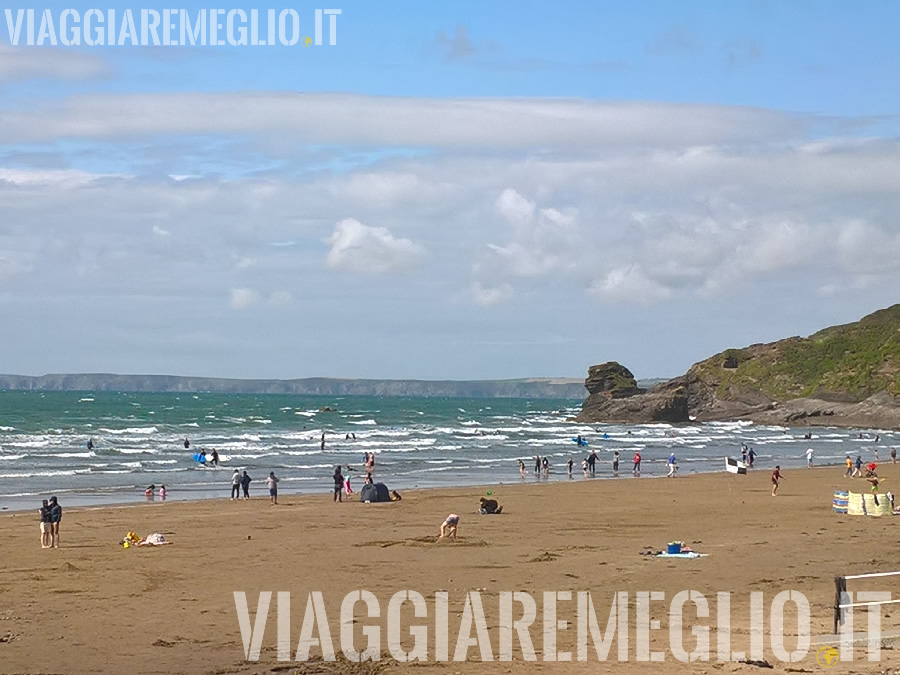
x=138, y=440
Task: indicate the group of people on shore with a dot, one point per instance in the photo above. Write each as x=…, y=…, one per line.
x=342, y=483
x=589, y=465
x=240, y=482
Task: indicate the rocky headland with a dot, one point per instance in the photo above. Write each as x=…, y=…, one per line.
x=847, y=376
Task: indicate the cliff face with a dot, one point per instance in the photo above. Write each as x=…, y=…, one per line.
x=842, y=376
x=525, y=388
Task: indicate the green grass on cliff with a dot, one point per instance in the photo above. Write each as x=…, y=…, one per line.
x=855, y=361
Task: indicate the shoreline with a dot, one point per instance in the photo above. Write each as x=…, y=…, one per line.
x=529, y=480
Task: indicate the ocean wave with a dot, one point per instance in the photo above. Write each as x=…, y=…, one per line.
x=146, y=431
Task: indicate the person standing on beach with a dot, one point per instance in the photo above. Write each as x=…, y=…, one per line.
x=245, y=484
x=673, y=465
x=162, y=493
x=569, y=466
x=545, y=465
x=776, y=476
x=338, y=484
x=370, y=464
x=45, y=524
x=584, y=467
x=236, y=484
x=636, y=469
x=751, y=457
x=893, y=455
x=522, y=468
x=849, y=472
x=809, y=456
x=55, y=519
x=592, y=462
x=537, y=464
x=272, y=484
x=615, y=463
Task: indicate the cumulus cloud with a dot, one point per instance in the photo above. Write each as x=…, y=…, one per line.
x=628, y=284
x=543, y=240
x=370, y=250
x=243, y=298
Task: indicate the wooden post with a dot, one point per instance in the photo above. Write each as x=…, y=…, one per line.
x=840, y=590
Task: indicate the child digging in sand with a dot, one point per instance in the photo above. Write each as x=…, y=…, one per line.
x=449, y=527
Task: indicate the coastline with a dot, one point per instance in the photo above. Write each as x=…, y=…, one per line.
x=186, y=494
x=172, y=609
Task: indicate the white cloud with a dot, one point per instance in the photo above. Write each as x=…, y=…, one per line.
x=24, y=63
x=628, y=284
x=287, y=119
x=243, y=298
x=160, y=232
x=370, y=250
x=488, y=296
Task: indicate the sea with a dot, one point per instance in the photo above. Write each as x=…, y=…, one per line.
x=138, y=440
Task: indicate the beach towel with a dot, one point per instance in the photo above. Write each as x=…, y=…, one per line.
x=688, y=554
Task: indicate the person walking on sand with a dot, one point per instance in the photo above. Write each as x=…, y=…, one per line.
x=338, y=484
x=673, y=465
x=636, y=469
x=272, y=484
x=449, y=527
x=849, y=472
x=236, y=484
x=751, y=457
x=858, y=466
x=245, y=484
x=55, y=519
x=809, y=456
x=776, y=476
x=45, y=524
x=616, y=463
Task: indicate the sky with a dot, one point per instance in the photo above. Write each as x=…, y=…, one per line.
x=453, y=190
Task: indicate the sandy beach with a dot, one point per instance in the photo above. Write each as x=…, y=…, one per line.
x=94, y=607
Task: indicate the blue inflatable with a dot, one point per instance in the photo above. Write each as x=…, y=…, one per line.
x=199, y=458
x=580, y=441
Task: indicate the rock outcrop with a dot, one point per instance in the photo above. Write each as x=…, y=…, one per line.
x=841, y=376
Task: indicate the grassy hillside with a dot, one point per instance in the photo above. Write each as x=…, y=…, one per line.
x=848, y=362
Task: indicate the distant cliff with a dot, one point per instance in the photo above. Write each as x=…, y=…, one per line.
x=845, y=375
x=524, y=388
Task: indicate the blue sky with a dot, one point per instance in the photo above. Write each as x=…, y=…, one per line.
x=454, y=190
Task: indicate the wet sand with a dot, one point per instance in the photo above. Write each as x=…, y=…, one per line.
x=94, y=607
